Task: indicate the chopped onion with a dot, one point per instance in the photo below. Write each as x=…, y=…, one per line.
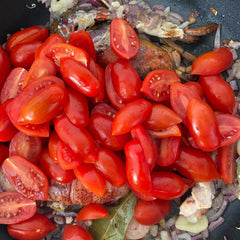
x=184, y=236
x=217, y=40
x=219, y=212
x=213, y=225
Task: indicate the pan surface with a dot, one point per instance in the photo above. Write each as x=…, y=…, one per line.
x=16, y=14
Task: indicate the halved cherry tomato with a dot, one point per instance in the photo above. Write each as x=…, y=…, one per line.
x=91, y=178
x=131, y=115
x=229, y=127
x=151, y=212
x=138, y=172
x=213, y=62
x=4, y=152
x=190, y=162
x=53, y=142
x=60, y=51
x=83, y=40
x=5, y=66
x=23, y=54
x=35, y=228
x=26, y=177
x=79, y=77
x=76, y=232
x=140, y=134
x=66, y=158
x=26, y=146
x=156, y=85
x=91, y=212
x=53, y=169
x=195, y=87
x=226, y=162
x=76, y=108
x=166, y=132
x=161, y=117
x=13, y=83
x=44, y=105
x=26, y=35
x=123, y=38
x=167, y=150
x=100, y=127
x=219, y=94
x=122, y=71
x=43, y=49
x=111, y=166
x=104, y=109
x=202, y=125
x=15, y=208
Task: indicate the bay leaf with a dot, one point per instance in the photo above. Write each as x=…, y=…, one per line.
x=114, y=227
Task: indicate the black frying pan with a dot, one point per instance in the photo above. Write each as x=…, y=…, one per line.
x=16, y=14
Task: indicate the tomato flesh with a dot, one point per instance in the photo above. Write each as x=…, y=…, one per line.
x=76, y=232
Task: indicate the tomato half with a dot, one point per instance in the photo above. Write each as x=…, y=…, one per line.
x=5, y=65
x=156, y=85
x=15, y=208
x=35, y=228
x=105, y=109
x=26, y=177
x=76, y=232
x=166, y=132
x=91, y=212
x=213, y=62
x=123, y=38
x=53, y=142
x=195, y=87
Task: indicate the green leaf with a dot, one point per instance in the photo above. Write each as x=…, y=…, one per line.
x=115, y=226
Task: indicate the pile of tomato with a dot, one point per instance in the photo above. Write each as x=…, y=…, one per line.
x=64, y=117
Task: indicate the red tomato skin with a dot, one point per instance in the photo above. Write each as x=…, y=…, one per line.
x=140, y=134
x=213, y=62
x=202, y=124
x=76, y=232
x=151, y=212
x=104, y=109
x=111, y=166
x=219, y=94
x=53, y=169
x=195, y=87
x=82, y=39
x=13, y=83
x=11, y=202
x=53, y=142
x=91, y=212
x=23, y=54
x=191, y=160
x=131, y=115
x=122, y=71
x=156, y=85
x=5, y=66
x=27, y=178
x=78, y=101
x=120, y=29
x=91, y=178
x=26, y=146
x=35, y=228
x=137, y=170
x=79, y=77
x=226, y=162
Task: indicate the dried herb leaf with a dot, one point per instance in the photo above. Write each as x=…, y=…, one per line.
x=114, y=227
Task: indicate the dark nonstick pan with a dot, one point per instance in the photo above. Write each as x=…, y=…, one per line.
x=16, y=14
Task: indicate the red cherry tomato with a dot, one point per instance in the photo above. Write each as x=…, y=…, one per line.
x=156, y=85
x=202, y=124
x=219, y=94
x=29, y=34
x=4, y=152
x=213, y=62
x=195, y=87
x=138, y=172
x=53, y=142
x=166, y=132
x=26, y=177
x=16, y=206
x=229, y=127
x=91, y=178
x=131, y=115
x=53, y=169
x=76, y=232
x=35, y=228
x=23, y=54
x=79, y=77
x=104, y=109
x=161, y=117
x=83, y=40
x=26, y=146
x=123, y=38
x=91, y=212
x=191, y=160
x=151, y=212
x=5, y=66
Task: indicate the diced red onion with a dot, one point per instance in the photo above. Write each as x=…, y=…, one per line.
x=213, y=225
x=234, y=85
x=177, y=16
x=184, y=236
x=217, y=40
x=158, y=8
x=174, y=235
x=219, y=212
x=171, y=221
x=234, y=44
x=184, y=24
